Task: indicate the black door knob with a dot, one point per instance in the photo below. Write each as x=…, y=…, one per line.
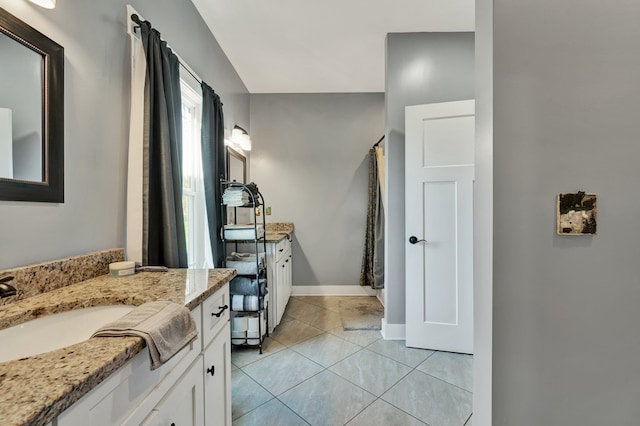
x=415, y=240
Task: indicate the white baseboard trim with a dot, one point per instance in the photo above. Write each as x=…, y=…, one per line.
x=332, y=290
x=393, y=331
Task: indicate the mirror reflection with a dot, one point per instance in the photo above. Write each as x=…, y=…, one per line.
x=236, y=166
x=21, y=135
x=237, y=171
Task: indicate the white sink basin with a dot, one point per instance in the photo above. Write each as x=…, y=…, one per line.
x=56, y=331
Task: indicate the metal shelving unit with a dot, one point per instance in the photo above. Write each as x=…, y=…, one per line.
x=256, y=202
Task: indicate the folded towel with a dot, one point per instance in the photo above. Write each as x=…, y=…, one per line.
x=245, y=263
x=235, y=196
x=247, y=287
x=244, y=268
x=245, y=257
x=241, y=303
x=165, y=326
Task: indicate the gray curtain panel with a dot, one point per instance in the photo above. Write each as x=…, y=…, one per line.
x=213, y=166
x=372, y=272
x=164, y=241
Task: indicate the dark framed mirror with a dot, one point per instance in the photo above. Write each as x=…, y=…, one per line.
x=31, y=113
x=236, y=166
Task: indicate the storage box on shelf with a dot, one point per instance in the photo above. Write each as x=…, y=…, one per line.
x=249, y=290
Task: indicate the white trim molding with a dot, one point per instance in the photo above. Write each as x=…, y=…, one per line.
x=393, y=331
x=332, y=290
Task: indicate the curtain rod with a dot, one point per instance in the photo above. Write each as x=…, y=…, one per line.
x=135, y=18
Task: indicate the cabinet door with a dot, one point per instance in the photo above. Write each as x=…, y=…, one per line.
x=279, y=284
x=217, y=379
x=284, y=289
x=182, y=405
x=271, y=284
x=288, y=282
x=277, y=255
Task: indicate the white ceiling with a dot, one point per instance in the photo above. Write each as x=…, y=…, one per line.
x=304, y=46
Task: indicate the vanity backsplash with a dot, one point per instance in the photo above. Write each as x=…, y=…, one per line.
x=275, y=227
x=39, y=278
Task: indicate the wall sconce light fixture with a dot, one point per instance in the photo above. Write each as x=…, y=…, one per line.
x=239, y=139
x=48, y=4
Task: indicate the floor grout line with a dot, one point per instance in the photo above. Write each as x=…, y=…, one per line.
x=442, y=380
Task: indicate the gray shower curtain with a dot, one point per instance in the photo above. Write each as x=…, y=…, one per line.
x=164, y=241
x=213, y=166
x=372, y=272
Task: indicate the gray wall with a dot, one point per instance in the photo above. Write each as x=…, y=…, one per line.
x=421, y=68
x=97, y=80
x=310, y=160
x=565, y=322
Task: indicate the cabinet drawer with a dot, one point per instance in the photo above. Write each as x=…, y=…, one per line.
x=215, y=314
x=282, y=247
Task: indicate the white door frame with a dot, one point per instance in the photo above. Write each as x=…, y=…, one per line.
x=483, y=218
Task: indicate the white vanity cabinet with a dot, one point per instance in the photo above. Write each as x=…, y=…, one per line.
x=183, y=404
x=180, y=392
x=279, y=267
x=194, y=401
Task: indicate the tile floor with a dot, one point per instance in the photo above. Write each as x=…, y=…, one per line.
x=312, y=372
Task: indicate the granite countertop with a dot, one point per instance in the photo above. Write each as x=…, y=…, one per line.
x=37, y=389
x=278, y=231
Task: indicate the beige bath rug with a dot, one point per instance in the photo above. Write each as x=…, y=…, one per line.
x=361, y=313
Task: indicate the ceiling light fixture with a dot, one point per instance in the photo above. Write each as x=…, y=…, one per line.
x=48, y=4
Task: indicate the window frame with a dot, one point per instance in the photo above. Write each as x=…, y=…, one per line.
x=196, y=226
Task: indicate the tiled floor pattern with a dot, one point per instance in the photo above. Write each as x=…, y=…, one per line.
x=312, y=372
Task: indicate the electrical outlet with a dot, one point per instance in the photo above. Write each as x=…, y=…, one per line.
x=268, y=211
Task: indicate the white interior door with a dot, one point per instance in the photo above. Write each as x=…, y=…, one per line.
x=439, y=173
